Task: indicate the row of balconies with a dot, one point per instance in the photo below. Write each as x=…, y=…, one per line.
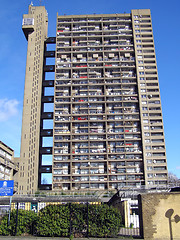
x=86, y=91
x=88, y=28
x=97, y=98
x=110, y=135
x=94, y=42
x=95, y=111
x=95, y=71
x=112, y=146
x=94, y=65
x=98, y=33
x=100, y=174
x=68, y=59
x=94, y=19
x=103, y=137
x=97, y=42
x=102, y=157
x=95, y=75
x=95, y=58
x=93, y=81
x=123, y=89
x=113, y=174
x=116, y=47
x=100, y=118
x=109, y=71
x=124, y=106
x=86, y=149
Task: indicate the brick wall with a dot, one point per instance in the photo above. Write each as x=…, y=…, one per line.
x=160, y=216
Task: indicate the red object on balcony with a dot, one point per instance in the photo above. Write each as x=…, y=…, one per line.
x=126, y=130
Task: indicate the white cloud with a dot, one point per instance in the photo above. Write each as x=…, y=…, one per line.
x=8, y=109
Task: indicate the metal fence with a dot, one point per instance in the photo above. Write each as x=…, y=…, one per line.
x=36, y=203
x=128, y=232
x=77, y=227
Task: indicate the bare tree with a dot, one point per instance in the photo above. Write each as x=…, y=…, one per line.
x=173, y=179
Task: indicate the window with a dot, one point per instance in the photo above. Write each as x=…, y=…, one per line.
x=149, y=161
x=144, y=102
x=149, y=168
x=145, y=121
x=140, y=62
x=28, y=21
x=141, y=73
x=147, y=134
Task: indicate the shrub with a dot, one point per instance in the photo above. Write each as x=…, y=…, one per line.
x=104, y=221
x=54, y=220
x=26, y=223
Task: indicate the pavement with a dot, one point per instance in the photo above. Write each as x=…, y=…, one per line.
x=58, y=238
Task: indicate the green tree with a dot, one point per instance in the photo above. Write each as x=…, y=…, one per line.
x=26, y=223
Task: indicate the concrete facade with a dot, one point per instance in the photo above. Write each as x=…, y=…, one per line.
x=35, y=30
x=8, y=164
x=107, y=120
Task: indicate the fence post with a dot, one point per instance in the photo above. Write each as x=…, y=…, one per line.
x=9, y=216
x=87, y=209
x=16, y=219
x=70, y=221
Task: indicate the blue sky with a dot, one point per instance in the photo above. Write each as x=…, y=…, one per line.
x=13, y=47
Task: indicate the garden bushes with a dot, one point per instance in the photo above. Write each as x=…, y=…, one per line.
x=27, y=221
x=63, y=220
x=56, y=220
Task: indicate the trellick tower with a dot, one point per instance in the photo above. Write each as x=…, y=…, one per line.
x=107, y=121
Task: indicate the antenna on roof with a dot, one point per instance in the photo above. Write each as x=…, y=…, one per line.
x=40, y=2
x=31, y=3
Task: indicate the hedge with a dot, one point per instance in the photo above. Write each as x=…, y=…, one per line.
x=56, y=221
x=26, y=222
